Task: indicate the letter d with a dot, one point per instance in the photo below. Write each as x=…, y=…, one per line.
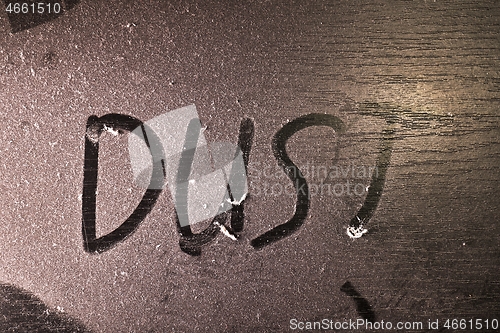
x=95, y=126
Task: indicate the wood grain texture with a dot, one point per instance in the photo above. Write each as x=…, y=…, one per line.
x=423, y=73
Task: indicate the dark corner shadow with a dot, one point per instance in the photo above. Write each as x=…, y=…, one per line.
x=21, y=312
x=32, y=17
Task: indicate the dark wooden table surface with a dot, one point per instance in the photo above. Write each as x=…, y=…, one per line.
x=415, y=85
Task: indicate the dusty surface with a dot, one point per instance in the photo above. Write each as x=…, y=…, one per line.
x=428, y=70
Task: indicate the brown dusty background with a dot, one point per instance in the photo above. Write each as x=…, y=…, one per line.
x=432, y=250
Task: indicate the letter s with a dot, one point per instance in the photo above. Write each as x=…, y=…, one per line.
x=284, y=161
